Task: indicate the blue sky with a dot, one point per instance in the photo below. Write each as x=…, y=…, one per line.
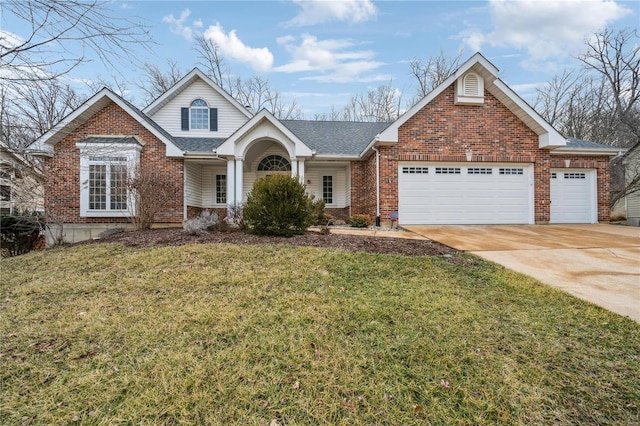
x=322, y=52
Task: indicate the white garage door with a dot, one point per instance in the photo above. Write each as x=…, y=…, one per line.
x=573, y=196
x=469, y=193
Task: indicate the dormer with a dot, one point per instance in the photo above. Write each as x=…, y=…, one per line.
x=469, y=89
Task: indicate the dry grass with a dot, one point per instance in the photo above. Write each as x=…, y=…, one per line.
x=223, y=334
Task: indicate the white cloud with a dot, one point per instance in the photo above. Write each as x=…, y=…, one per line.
x=9, y=40
x=260, y=59
x=314, y=12
x=545, y=28
x=198, y=23
x=336, y=60
x=177, y=24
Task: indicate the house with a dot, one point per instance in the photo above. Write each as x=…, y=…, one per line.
x=626, y=173
x=470, y=152
x=21, y=183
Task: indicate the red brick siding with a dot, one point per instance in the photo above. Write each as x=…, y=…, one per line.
x=363, y=186
x=62, y=186
x=442, y=131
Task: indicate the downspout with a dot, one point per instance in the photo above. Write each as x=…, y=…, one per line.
x=377, y=185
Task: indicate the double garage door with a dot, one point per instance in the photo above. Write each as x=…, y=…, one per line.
x=469, y=193
x=489, y=193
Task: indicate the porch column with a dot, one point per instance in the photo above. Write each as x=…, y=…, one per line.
x=231, y=187
x=239, y=179
x=301, y=170
x=294, y=167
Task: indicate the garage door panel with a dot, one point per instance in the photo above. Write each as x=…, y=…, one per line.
x=478, y=194
x=573, y=196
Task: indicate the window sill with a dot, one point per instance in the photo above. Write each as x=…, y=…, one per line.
x=105, y=213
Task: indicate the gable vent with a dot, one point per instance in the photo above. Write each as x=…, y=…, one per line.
x=469, y=89
x=471, y=85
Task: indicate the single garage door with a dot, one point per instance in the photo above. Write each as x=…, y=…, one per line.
x=465, y=193
x=573, y=196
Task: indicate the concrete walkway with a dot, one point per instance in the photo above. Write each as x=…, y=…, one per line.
x=598, y=263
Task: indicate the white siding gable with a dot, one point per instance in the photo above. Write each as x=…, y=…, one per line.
x=229, y=117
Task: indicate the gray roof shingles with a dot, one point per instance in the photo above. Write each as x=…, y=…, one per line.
x=191, y=144
x=335, y=137
x=583, y=144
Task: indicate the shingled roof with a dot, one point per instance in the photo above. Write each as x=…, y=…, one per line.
x=192, y=144
x=335, y=137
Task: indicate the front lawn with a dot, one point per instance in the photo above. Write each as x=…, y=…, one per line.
x=260, y=335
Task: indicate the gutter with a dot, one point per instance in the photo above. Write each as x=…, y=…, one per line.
x=587, y=151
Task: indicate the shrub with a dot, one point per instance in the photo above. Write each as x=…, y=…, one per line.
x=278, y=205
x=317, y=212
x=20, y=234
x=360, y=220
x=201, y=224
x=234, y=219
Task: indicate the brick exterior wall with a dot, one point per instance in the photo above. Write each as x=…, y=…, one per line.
x=62, y=186
x=363, y=186
x=444, y=132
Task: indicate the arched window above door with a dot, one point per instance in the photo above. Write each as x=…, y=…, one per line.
x=274, y=163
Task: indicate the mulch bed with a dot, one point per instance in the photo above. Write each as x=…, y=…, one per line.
x=383, y=245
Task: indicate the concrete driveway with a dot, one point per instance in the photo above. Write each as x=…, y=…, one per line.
x=598, y=263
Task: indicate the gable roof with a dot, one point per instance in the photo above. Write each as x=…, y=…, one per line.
x=44, y=144
x=548, y=136
x=335, y=138
x=298, y=147
x=182, y=84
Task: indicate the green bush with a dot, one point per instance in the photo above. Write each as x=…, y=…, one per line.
x=279, y=205
x=19, y=234
x=360, y=220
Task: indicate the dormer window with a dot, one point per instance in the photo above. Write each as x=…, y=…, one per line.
x=469, y=89
x=199, y=117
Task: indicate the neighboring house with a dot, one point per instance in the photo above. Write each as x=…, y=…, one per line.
x=626, y=170
x=21, y=183
x=470, y=152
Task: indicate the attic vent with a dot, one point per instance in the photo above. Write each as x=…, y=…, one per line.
x=470, y=89
x=470, y=85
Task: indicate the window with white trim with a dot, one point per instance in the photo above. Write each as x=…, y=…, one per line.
x=327, y=189
x=108, y=183
x=221, y=189
x=274, y=163
x=199, y=115
x=104, y=173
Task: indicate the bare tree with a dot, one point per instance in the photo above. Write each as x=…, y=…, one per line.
x=601, y=101
x=29, y=110
x=151, y=190
x=254, y=92
x=212, y=61
x=380, y=104
x=615, y=56
x=56, y=35
x=156, y=81
x=432, y=72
